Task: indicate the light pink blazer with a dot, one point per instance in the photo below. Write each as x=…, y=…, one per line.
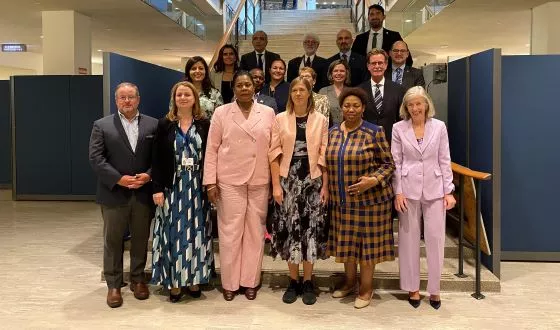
x=237, y=148
x=284, y=140
x=421, y=171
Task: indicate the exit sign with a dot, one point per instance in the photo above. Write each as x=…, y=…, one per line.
x=14, y=48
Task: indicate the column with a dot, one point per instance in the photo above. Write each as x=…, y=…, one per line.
x=66, y=43
x=545, y=28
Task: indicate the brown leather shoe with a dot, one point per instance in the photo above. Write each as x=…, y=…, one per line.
x=251, y=293
x=140, y=290
x=114, y=297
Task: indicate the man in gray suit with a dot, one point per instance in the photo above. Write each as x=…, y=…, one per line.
x=120, y=153
x=258, y=78
x=401, y=73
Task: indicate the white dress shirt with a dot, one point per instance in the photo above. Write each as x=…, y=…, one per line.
x=379, y=39
x=381, y=88
x=131, y=129
x=262, y=58
x=305, y=57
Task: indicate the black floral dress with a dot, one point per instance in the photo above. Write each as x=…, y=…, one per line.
x=299, y=231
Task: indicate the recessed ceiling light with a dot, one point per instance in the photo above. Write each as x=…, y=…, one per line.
x=100, y=50
x=41, y=36
x=407, y=20
x=334, y=3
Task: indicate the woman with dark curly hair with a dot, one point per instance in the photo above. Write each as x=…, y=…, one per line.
x=197, y=73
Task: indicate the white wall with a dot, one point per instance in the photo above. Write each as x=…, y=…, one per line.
x=6, y=72
x=25, y=61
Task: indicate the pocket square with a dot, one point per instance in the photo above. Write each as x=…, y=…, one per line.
x=149, y=136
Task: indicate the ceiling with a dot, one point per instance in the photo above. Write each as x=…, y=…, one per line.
x=128, y=27
x=470, y=26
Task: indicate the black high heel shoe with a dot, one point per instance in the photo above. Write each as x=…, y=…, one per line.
x=175, y=297
x=194, y=293
x=436, y=304
x=414, y=302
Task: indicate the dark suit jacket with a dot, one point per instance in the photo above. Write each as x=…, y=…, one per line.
x=111, y=157
x=249, y=62
x=358, y=68
x=163, y=156
x=411, y=77
x=269, y=101
x=389, y=38
x=392, y=98
x=280, y=95
x=319, y=64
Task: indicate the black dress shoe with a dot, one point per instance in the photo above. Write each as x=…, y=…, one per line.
x=414, y=302
x=175, y=297
x=436, y=304
x=194, y=293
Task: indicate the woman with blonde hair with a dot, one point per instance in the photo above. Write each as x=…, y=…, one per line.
x=299, y=181
x=423, y=184
x=182, y=242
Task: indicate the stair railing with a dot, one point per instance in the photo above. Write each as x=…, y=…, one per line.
x=478, y=178
x=241, y=22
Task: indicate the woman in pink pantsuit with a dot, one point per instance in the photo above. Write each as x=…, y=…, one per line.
x=237, y=177
x=423, y=188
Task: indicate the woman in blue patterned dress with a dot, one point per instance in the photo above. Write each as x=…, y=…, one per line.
x=182, y=243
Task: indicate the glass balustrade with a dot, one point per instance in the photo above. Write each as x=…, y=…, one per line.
x=188, y=22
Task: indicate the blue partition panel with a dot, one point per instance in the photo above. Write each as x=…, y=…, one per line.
x=457, y=110
x=86, y=106
x=42, y=140
x=5, y=135
x=530, y=154
x=481, y=132
x=154, y=83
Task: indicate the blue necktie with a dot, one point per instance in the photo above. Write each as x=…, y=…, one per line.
x=398, y=77
x=377, y=98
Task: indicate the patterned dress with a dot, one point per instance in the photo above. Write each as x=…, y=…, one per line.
x=361, y=225
x=182, y=243
x=299, y=227
x=208, y=103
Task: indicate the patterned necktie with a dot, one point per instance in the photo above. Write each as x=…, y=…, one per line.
x=374, y=41
x=345, y=58
x=398, y=76
x=377, y=98
x=308, y=62
x=259, y=62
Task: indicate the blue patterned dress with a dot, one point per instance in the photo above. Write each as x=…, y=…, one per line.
x=182, y=242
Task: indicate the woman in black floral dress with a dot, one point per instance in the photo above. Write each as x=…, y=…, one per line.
x=297, y=158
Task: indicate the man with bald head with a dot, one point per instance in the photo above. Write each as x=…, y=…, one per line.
x=401, y=73
x=356, y=62
x=259, y=57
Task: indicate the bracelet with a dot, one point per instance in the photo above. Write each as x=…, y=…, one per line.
x=210, y=188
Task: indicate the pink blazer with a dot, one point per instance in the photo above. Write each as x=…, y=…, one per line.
x=237, y=148
x=284, y=139
x=421, y=171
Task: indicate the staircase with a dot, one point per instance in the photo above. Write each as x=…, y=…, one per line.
x=286, y=28
x=329, y=274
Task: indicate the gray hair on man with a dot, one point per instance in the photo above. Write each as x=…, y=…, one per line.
x=311, y=35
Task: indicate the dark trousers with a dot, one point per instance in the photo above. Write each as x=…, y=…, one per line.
x=285, y=3
x=137, y=217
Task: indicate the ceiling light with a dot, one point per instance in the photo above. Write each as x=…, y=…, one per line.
x=334, y=3
x=100, y=50
x=444, y=46
x=41, y=36
x=199, y=24
x=407, y=20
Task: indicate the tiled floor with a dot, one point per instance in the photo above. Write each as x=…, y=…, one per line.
x=51, y=263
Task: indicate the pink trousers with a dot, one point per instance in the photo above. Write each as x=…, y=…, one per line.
x=409, y=243
x=241, y=225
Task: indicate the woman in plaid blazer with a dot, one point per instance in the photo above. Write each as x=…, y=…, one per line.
x=360, y=167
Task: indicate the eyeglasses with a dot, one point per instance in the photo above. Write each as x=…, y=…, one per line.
x=402, y=51
x=127, y=98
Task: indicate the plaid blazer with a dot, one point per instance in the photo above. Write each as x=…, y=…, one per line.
x=365, y=152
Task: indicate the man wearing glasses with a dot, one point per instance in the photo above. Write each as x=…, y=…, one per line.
x=400, y=72
x=120, y=153
x=311, y=59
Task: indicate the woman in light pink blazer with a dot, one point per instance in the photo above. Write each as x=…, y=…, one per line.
x=299, y=183
x=423, y=188
x=237, y=177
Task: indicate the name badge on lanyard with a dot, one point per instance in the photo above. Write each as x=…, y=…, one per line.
x=187, y=161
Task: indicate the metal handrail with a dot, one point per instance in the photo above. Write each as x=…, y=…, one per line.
x=478, y=178
x=239, y=25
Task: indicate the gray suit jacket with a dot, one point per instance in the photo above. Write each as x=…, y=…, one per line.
x=411, y=77
x=111, y=157
x=268, y=101
x=335, y=111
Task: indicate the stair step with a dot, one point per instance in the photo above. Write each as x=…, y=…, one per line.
x=328, y=273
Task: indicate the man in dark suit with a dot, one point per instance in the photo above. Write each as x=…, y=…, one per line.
x=120, y=153
x=356, y=62
x=377, y=37
x=384, y=96
x=260, y=57
x=258, y=78
x=401, y=73
x=319, y=64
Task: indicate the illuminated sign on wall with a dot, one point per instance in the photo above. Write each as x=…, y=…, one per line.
x=14, y=48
